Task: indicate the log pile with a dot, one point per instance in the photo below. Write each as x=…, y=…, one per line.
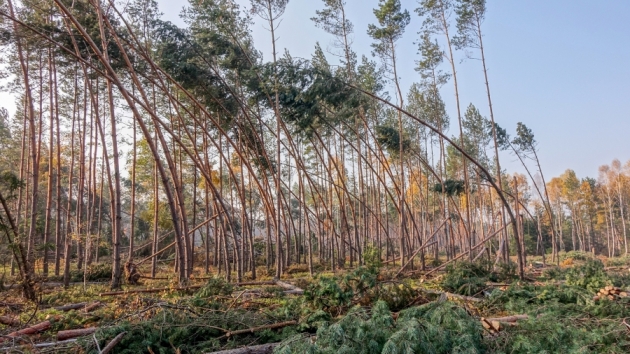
x=611, y=293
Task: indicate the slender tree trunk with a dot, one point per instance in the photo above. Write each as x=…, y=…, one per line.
x=49, y=184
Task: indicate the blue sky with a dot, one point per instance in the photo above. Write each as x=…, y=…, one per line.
x=560, y=66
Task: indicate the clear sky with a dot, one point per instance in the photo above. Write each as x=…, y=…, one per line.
x=560, y=66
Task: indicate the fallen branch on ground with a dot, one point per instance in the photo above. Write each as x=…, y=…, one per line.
x=71, y=307
x=74, y=333
x=113, y=343
x=92, y=307
x=40, y=327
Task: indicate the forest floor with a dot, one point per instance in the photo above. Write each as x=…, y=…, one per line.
x=580, y=306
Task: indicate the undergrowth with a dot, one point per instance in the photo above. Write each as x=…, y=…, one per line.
x=466, y=278
x=563, y=318
x=437, y=327
x=194, y=324
x=95, y=272
x=362, y=286
x=365, y=311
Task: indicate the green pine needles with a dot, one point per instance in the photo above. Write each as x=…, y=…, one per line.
x=437, y=327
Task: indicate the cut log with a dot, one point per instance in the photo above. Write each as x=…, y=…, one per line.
x=512, y=319
x=10, y=321
x=486, y=324
x=596, y=298
x=108, y=348
x=611, y=297
x=74, y=333
x=496, y=325
x=40, y=327
x=71, y=307
x=623, y=294
x=54, y=344
x=255, y=349
x=92, y=307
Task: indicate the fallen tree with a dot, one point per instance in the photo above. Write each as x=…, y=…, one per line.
x=40, y=327
x=74, y=333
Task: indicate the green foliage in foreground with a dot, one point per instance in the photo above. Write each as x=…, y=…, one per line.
x=180, y=328
x=336, y=295
x=195, y=325
x=562, y=319
x=357, y=313
x=591, y=276
x=437, y=327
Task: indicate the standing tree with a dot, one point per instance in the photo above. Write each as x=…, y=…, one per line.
x=437, y=14
x=470, y=16
x=271, y=11
x=524, y=146
x=392, y=21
